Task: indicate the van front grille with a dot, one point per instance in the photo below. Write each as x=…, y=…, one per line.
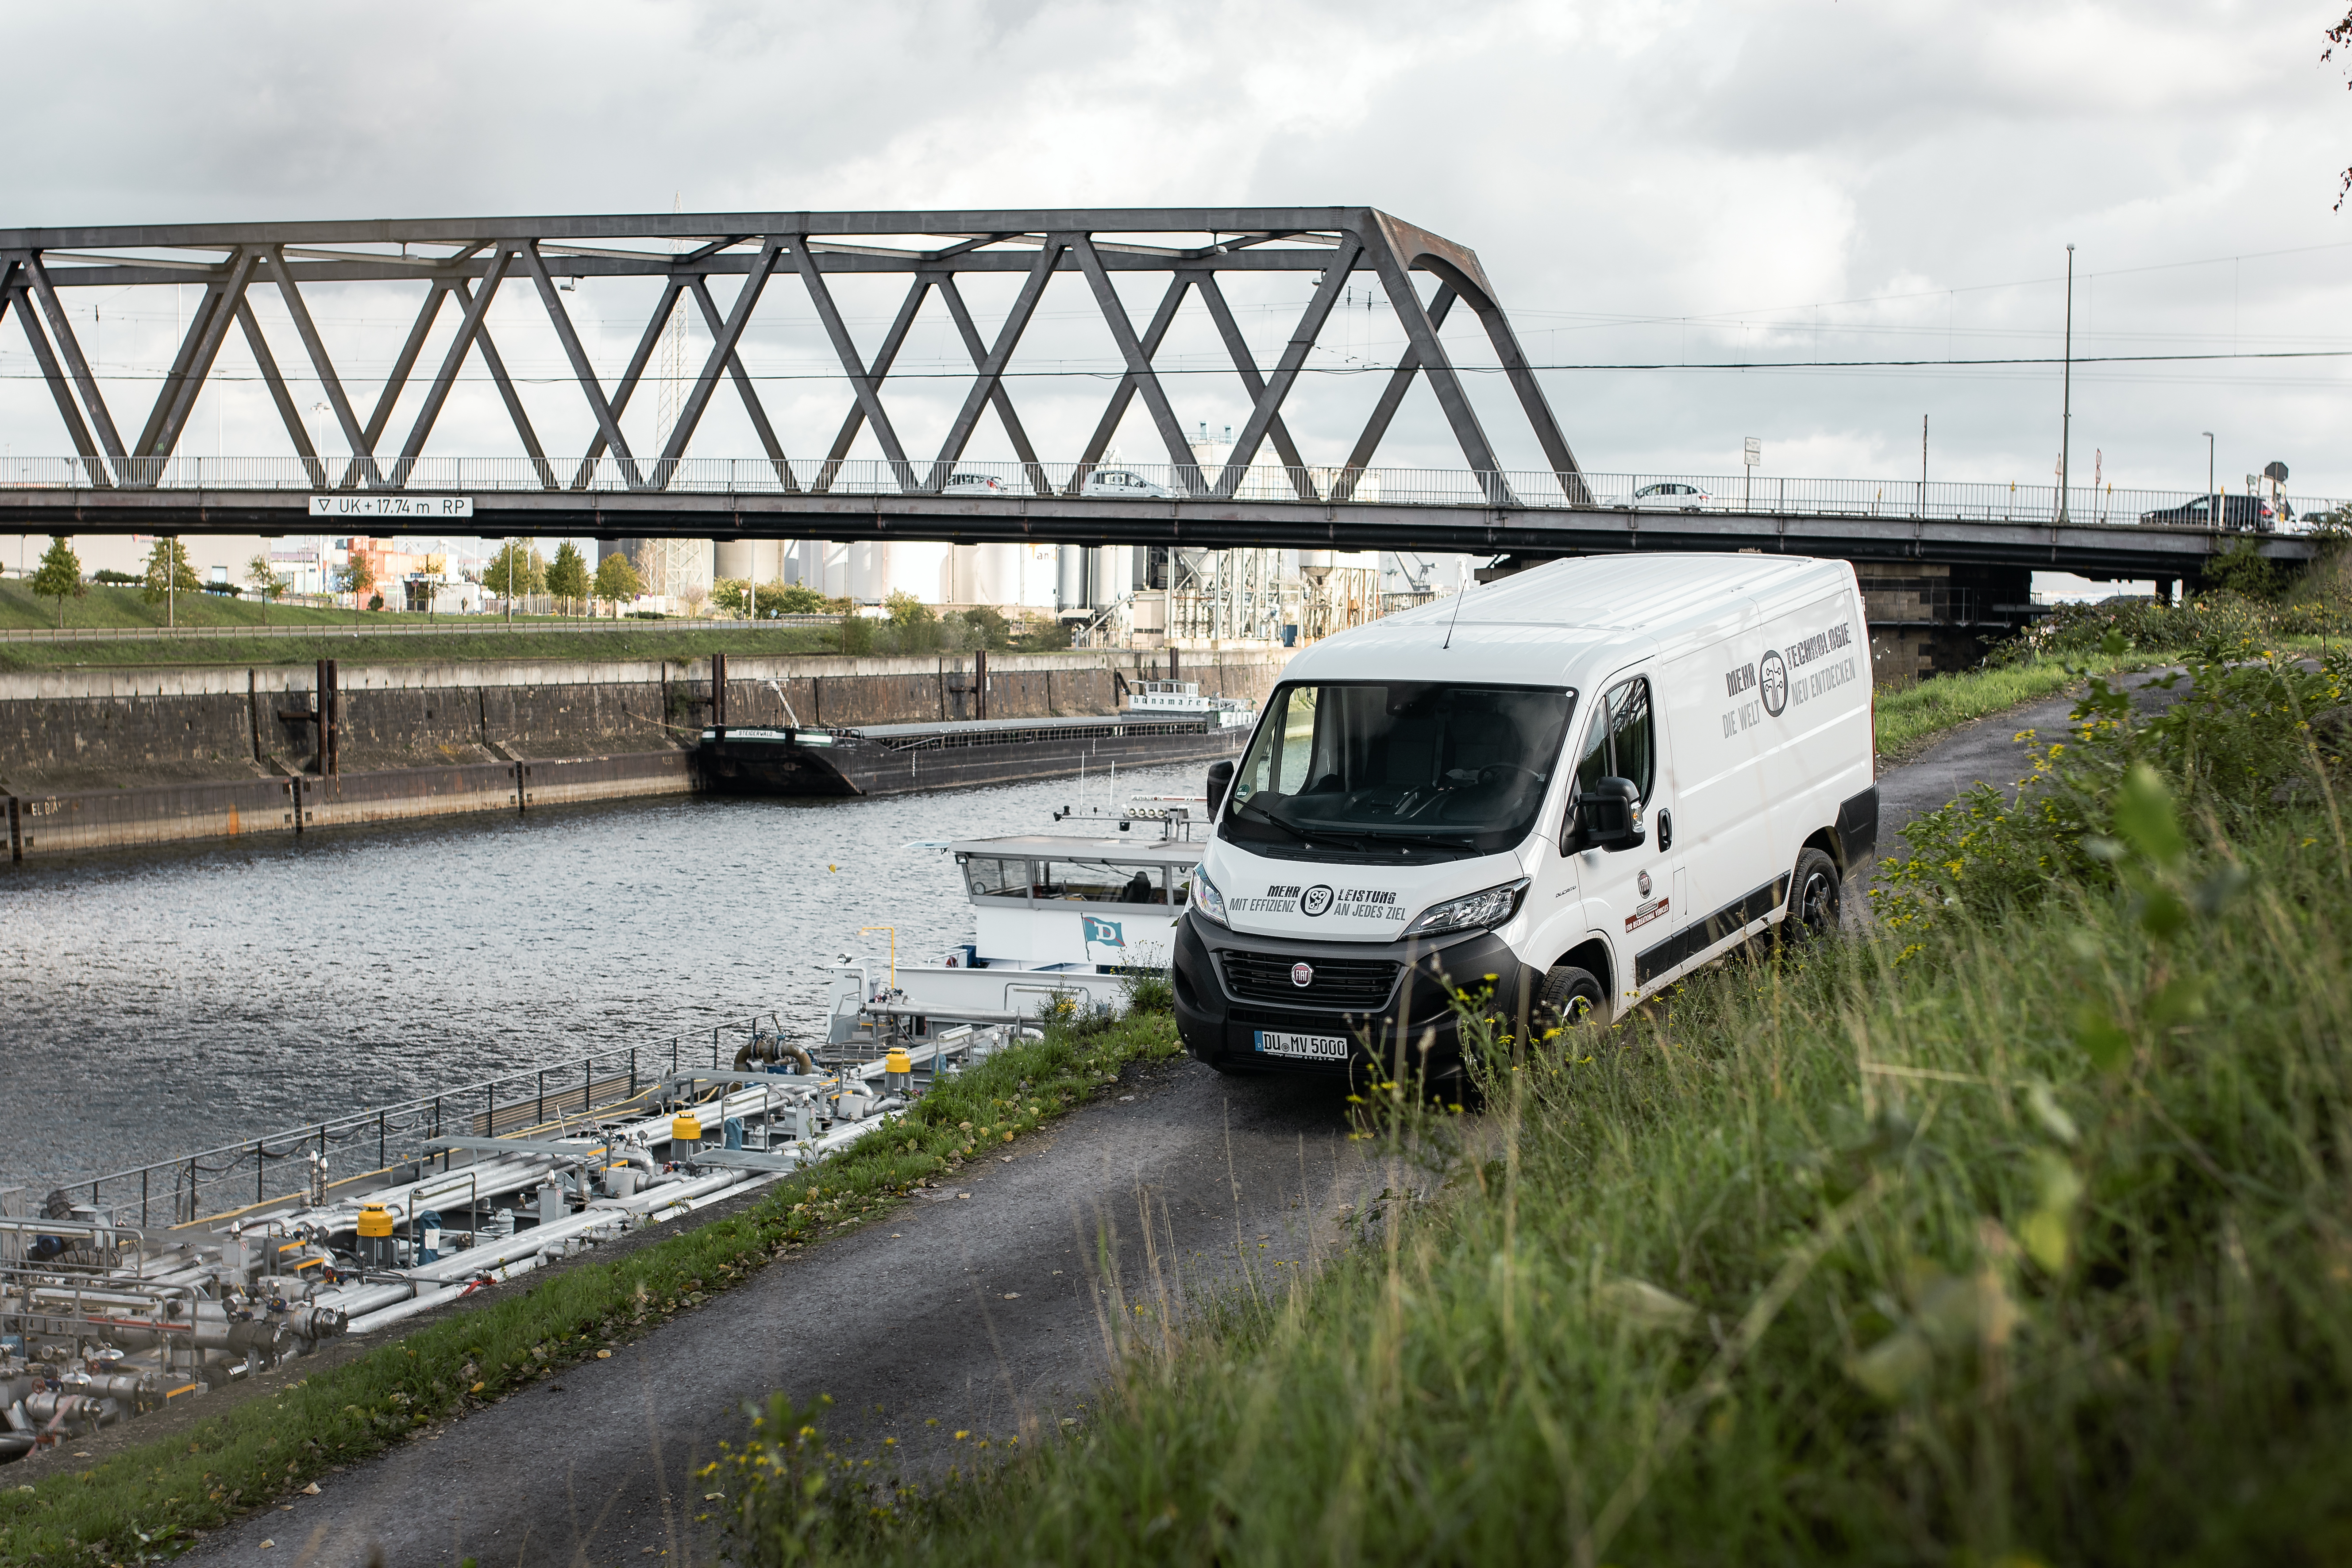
x=1353, y=983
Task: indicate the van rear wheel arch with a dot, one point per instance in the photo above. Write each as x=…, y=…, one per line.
x=1826, y=840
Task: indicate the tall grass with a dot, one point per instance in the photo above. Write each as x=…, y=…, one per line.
x=2020, y=1233
x=1908, y=718
x=1849, y=1260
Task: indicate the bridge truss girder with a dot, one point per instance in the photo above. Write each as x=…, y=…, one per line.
x=466, y=261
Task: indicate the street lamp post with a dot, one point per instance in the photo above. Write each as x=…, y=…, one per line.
x=2067, y=393
x=2211, y=507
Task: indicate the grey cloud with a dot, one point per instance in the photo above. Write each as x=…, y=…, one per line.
x=1671, y=162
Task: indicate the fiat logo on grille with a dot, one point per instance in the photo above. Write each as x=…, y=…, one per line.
x=1302, y=974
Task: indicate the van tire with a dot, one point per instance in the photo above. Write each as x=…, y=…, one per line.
x=1816, y=900
x=1571, y=997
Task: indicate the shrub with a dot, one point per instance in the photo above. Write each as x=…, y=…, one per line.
x=1150, y=990
x=2238, y=739
x=914, y=626
x=2241, y=570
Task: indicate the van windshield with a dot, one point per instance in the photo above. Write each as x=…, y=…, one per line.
x=1377, y=767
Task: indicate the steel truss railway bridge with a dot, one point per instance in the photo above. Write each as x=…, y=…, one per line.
x=391, y=482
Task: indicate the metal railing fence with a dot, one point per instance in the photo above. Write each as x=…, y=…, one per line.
x=229, y=1177
x=450, y=621
x=1459, y=488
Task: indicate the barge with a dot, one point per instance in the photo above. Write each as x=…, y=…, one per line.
x=125, y=1294
x=1165, y=721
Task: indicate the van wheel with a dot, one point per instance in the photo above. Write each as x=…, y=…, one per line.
x=1816, y=900
x=1571, y=997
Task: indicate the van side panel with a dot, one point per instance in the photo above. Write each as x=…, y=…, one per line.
x=1715, y=721
x=1771, y=726
x=1816, y=756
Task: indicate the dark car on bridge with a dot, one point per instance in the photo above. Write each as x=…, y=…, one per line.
x=2239, y=512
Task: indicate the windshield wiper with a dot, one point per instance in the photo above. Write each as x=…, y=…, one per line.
x=1416, y=835
x=1252, y=803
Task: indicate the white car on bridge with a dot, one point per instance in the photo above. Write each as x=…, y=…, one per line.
x=1669, y=496
x=1118, y=484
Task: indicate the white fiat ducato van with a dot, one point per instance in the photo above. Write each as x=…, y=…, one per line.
x=1585, y=781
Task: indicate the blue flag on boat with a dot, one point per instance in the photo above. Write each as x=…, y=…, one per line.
x=1107, y=932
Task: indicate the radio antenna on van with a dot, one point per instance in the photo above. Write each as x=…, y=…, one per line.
x=1459, y=594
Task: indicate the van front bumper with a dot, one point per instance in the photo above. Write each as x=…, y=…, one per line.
x=1220, y=1012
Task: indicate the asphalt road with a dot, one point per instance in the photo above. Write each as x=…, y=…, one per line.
x=996, y=1314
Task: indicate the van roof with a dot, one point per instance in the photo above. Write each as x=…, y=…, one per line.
x=1544, y=616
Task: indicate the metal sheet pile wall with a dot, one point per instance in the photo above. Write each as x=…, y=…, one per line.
x=102, y=760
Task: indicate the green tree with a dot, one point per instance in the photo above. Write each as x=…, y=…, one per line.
x=58, y=577
x=567, y=574
x=268, y=586
x=358, y=577
x=616, y=579
x=515, y=571
x=790, y=599
x=989, y=626
x=169, y=573
x=915, y=624
x=732, y=595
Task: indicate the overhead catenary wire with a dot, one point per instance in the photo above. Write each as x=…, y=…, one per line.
x=1113, y=373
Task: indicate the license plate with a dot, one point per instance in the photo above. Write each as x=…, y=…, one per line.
x=1313, y=1047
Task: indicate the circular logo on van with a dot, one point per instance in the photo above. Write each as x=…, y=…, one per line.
x=1302, y=974
x=1315, y=901
x=1772, y=675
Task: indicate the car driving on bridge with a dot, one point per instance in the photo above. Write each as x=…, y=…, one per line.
x=1118, y=484
x=973, y=485
x=2239, y=512
x=1669, y=496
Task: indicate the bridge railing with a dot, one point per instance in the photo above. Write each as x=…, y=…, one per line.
x=1665, y=494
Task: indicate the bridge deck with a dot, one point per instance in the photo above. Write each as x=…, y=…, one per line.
x=1887, y=531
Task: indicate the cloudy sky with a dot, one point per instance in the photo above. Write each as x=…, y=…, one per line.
x=1676, y=185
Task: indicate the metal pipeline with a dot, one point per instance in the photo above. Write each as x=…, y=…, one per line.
x=766, y=1048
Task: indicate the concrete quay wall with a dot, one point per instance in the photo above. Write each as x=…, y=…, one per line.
x=48, y=827
x=117, y=758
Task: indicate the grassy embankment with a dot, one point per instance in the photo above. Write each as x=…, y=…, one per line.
x=145, y=1504
x=2021, y=1234
x=1910, y=719
x=212, y=628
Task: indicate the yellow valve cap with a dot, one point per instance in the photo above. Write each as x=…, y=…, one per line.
x=688, y=1126
x=897, y=1061
x=375, y=1220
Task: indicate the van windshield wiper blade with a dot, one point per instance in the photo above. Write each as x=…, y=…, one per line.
x=1416, y=835
x=1252, y=803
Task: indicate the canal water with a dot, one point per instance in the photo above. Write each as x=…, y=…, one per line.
x=156, y=1005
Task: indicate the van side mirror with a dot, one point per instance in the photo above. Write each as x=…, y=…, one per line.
x=1221, y=780
x=1608, y=817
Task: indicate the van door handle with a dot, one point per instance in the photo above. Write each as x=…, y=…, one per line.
x=1666, y=830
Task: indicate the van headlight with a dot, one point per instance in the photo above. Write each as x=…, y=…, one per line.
x=1208, y=900
x=1474, y=912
